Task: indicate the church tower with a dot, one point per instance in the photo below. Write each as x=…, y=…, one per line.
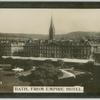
x=51, y=30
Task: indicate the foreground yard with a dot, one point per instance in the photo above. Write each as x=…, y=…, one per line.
x=8, y=79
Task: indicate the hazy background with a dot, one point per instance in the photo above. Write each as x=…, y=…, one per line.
x=37, y=21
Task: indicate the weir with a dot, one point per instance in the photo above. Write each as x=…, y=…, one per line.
x=52, y=59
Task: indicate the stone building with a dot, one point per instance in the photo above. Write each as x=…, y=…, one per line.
x=53, y=48
x=61, y=49
x=11, y=48
x=31, y=48
x=17, y=48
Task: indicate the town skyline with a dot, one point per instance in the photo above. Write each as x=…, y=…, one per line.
x=37, y=21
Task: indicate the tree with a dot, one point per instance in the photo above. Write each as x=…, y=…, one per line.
x=25, y=64
x=44, y=75
x=60, y=63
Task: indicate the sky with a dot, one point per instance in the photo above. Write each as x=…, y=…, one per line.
x=37, y=21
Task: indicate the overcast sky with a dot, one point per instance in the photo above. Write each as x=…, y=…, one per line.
x=38, y=20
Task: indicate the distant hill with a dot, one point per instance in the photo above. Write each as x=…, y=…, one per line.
x=79, y=35
x=73, y=35
x=22, y=36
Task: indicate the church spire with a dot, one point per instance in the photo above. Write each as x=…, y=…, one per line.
x=51, y=30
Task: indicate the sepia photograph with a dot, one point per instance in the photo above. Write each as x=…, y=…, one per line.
x=49, y=50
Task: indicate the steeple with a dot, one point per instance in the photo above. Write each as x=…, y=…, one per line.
x=51, y=30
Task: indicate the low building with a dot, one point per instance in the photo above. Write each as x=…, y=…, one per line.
x=5, y=48
x=17, y=48
x=8, y=48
